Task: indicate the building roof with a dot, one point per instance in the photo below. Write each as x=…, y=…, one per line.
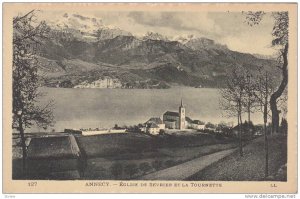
x=155, y=120
x=53, y=147
x=188, y=119
x=170, y=113
x=198, y=122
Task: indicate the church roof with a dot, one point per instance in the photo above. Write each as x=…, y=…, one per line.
x=170, y=113
x=188, y=119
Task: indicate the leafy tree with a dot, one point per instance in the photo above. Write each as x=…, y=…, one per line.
x=27, y=37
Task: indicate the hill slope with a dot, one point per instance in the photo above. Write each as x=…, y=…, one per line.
x=70, y=58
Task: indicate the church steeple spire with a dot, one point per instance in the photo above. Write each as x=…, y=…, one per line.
x=181, y=116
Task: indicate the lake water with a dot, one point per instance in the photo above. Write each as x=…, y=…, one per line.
x=91, y=108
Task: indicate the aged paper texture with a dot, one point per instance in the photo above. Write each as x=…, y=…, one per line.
x=150, y=98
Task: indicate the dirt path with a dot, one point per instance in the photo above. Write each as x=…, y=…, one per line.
x=187, y=169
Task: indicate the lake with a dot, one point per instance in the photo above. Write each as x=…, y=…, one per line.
x=91, y=108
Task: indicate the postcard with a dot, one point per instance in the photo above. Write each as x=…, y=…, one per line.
x=150, y=98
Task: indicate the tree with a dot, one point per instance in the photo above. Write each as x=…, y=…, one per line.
x=280, y=35
x=284, y=126
x=210, y=125
x=233, y=97
x=250, y=102
x=262, y=93
x=27, y=36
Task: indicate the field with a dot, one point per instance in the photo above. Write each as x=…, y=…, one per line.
x=128, y=156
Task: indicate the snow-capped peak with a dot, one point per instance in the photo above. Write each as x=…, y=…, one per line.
x=87, y=26
x=184, y=38
x=154, y=36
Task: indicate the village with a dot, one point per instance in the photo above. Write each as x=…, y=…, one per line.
x=172, y=122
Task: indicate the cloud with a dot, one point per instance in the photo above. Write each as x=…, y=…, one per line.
x=178, y=21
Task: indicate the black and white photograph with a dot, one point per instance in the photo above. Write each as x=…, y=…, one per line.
x=150, y=95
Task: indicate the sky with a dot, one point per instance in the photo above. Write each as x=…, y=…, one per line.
x=227, y=28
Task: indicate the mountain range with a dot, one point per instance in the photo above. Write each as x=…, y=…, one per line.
x=81, y=49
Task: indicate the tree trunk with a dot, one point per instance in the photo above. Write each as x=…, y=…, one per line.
x=249, y=119
x=23, y=144
x=248, y=126
x=279, y=91
x=266, y=142
x=265, y=128
x=240, y=131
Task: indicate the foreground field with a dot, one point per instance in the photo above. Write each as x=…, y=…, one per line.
x=250, y=167
x=128, y=156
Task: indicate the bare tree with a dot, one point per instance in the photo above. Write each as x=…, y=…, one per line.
x=250, y=101
x=280, y=39
x=263, y=91
x=233, y=98
x=27, y=36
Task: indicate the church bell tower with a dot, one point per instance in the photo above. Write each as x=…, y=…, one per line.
x=181, y=116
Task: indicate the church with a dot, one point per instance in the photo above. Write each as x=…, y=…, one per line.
x=176, y=120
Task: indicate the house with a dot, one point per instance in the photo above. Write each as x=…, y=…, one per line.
x=152, y=128
x=157, y=121
x=197, y=124
x=54, y=158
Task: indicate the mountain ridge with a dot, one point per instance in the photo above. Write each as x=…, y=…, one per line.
x=83, y=56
